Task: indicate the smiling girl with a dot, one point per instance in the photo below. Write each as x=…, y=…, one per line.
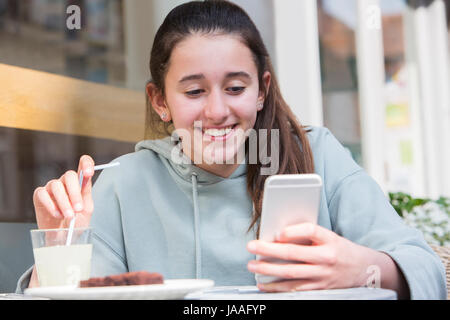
x=212, y=83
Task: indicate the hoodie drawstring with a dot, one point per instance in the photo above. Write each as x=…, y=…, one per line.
x=198, y=254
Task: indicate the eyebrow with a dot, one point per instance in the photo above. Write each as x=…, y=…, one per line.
x=228, y=75
x=192, y=77
x=237, y=74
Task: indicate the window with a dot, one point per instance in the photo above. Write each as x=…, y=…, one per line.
x=33, y=35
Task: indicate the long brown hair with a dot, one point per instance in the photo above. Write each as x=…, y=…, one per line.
x=223, y=17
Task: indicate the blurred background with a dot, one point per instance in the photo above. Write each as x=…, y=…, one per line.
x=375, y=72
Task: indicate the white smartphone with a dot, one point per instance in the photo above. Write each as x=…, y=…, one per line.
x=288, y=199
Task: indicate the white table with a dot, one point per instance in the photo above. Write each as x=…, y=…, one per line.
x=252, y=293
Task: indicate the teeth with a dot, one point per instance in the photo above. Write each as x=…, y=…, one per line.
x=218, y=132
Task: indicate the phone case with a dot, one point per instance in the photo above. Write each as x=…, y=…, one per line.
x=288, y=200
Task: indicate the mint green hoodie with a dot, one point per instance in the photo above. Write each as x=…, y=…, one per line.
x=183, y=222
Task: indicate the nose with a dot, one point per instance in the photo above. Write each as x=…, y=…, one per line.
x=216, y=109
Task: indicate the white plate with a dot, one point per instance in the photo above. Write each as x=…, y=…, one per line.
x=171, y=289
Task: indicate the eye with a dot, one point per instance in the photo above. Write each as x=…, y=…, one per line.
x=235, y=90
x=194, y=93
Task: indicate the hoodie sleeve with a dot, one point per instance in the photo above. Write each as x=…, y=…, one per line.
x=24, y=281
x=360, y=212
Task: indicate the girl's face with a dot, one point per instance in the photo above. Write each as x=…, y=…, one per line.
x=213, y=96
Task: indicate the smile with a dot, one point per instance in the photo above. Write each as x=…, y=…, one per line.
x=218, y=134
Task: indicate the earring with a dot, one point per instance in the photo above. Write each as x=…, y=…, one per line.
x=164, y=116
x=259, y=106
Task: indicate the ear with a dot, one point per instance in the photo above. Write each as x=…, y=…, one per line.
x=157, y=101
x=266, y=79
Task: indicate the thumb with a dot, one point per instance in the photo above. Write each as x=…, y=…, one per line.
x=86, y=185
x=86, y=190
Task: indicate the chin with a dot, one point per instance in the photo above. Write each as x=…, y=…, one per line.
x=223, y=156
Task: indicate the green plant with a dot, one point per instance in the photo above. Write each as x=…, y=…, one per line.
x=430, y=216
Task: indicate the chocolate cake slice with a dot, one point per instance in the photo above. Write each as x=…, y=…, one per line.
x=124, y=279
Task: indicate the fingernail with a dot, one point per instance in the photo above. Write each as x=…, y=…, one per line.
x=88, y=171
x=251, y=246
x=78, y=207
x=69, y=213
x=251, y=266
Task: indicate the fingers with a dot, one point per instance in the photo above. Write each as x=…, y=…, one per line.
x=42, y=199
x=292, y=252
x=306, y=231
x=86, y=165
x=71, y=181
x=56, y=189
x=286, y=271
x=59, y=199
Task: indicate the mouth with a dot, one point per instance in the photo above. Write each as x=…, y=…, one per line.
x=218, y=134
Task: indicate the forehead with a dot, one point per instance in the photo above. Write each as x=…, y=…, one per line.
x=211, y=55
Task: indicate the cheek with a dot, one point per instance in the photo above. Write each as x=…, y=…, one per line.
x=184, y=112
x=246, y=110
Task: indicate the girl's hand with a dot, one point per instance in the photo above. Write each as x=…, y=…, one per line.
x=330, y=262
x=57, y=201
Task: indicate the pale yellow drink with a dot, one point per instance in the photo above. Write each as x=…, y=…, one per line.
x=63, y=265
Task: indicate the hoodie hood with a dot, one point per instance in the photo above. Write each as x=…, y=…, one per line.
x=171, y=154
